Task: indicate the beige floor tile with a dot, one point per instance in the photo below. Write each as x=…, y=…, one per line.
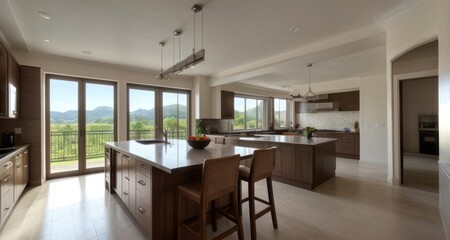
x=357, y=204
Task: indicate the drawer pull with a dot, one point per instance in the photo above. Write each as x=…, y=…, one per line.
x=125, y=156
x=125, y=193
x=6, y=179
x=25, y=166
x=26, y=152
x=127, y=178
x=141, y=182
x=141, y=210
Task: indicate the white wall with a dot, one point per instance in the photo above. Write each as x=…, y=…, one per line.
x=414, y=27
x=373, y=134
x=444, y=116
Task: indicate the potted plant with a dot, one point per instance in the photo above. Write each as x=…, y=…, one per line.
x=308, y=131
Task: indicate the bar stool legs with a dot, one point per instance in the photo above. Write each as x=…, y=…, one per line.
x=261, y=168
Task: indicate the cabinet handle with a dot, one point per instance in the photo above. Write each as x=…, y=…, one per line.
x=141, y=210
x=6, y=179
x=127, y=178
x=6, y=209
x=141, y=182
x=26, y=152
x=125, y=156
x=19, y=165
x=25, y=166
x=125, y=193
x=18, y=156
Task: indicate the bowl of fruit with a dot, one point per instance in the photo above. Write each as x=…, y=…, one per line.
x=198, y=142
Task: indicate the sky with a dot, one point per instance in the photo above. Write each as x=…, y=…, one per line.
x=64, y=97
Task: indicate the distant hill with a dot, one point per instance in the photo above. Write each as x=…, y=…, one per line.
x=105, y=114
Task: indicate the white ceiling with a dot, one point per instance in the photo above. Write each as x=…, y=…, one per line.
x=245, y=40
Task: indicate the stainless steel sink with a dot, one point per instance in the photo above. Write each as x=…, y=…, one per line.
x=150, y=141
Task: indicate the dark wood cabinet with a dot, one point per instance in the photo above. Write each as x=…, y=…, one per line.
x=347, y=144
x=3, y=81
x=227, y=105
x=348, y=101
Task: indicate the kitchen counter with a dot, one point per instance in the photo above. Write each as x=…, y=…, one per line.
x=286, y=139
x=146, y=177
x=176, y=154
x=300, y=161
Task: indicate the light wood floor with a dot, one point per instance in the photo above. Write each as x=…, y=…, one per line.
x=421, y=172
x=357, y=204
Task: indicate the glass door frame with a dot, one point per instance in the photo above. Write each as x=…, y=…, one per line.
x=158, y=105
x=81, y=124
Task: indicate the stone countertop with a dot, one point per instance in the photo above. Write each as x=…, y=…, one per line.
x=177, y=154
x=17, y=148
x=288, y=139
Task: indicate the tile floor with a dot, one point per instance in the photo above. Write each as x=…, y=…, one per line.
x=357, y=204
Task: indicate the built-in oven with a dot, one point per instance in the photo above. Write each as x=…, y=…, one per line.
x=429, y=134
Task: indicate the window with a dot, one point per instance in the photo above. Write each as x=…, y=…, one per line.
x=248, y=113
x=152, y=107
x=280, y=113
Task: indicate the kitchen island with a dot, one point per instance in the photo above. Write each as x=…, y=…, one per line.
x=146, y=176
x=301, y=161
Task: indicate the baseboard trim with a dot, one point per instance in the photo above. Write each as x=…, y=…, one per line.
x=444, y=197
x=421, y=155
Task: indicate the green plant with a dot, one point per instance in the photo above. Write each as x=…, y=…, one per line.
x=307, y=131
x=199, y=129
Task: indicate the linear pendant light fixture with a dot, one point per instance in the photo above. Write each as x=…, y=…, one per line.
x=191, y=60
x=309, y=95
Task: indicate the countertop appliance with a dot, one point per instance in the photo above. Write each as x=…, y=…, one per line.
x=429, y=134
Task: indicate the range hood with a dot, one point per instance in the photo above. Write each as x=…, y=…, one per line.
x=318, y=107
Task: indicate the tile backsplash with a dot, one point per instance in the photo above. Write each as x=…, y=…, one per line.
x=328, y=120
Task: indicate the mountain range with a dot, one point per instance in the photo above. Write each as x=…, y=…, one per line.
x=105, y=114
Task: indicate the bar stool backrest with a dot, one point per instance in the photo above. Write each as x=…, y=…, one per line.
x=263, y=163
x=220, y=176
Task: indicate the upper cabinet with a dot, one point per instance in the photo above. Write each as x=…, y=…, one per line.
x=3, y=81
x=227, y=105
x=348, y=101
x=9, y=85
x=13, y=87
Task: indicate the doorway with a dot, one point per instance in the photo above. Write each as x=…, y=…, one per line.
x=420, y=133
x=81, y=117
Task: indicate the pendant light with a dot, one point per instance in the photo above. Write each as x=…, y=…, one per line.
x=309, y=95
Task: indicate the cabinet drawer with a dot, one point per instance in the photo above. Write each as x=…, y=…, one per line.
x=5, y=204
x=143, y=183
x=143, y=212
x=143, y=168
x=4, y=166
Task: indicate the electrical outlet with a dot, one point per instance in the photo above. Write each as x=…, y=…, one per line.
x=18, y=130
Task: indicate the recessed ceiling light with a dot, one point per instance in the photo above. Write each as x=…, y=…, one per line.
x=44, y=15
x=295, y=29
x=87, y=52
x=46, y=40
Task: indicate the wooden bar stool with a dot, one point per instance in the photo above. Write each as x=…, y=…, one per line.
x=219, y=178
x=261, y=168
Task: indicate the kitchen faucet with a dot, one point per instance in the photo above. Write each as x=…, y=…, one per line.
x=164, y=133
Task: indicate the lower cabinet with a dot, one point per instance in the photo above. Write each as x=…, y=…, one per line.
x=6, y=190
x=14, y=177
x=133, y=185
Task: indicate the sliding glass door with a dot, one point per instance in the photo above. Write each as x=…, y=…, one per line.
x=81, y=117
x=152, y=110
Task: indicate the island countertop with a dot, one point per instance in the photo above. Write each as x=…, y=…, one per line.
x=177, y=153
x=288, y=139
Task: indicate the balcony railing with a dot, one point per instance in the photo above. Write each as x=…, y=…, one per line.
x=64, y=145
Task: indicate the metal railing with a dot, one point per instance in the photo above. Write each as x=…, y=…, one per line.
x=64, y=145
